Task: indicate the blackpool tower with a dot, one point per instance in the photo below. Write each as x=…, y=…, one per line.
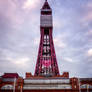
x=46, y=61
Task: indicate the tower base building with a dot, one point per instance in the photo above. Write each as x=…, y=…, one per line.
x=12, y=82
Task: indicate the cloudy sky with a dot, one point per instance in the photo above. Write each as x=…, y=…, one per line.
x=20, y=35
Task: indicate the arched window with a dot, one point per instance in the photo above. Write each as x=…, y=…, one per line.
x=86, y=86
x=8, y=86
x=90, y=86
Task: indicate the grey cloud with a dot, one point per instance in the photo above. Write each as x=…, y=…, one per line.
x=19, y=42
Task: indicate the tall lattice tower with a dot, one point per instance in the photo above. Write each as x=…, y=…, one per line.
x=46, y=61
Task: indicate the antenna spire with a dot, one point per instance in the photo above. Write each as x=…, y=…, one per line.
x=45, y=0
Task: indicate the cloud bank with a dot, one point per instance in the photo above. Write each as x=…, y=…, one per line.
x=20, y=35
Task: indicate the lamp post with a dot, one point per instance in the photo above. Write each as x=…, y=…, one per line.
x=87, y=87
x=14, y=85
x=21, y=88
x=79, y=85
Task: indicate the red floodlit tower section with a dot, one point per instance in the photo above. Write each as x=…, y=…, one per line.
x=46, y=60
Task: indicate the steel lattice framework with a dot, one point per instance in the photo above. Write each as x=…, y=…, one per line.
x=46, y=61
